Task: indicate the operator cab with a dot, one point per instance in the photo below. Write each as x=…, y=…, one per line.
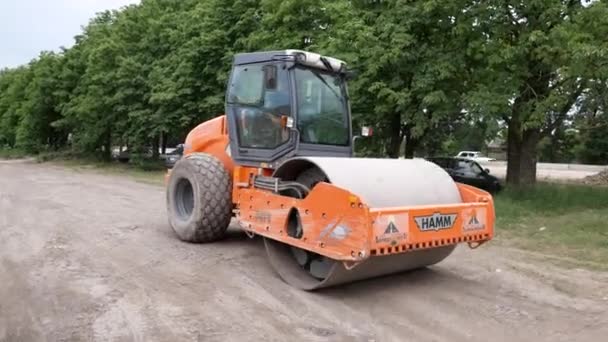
x=282, y=104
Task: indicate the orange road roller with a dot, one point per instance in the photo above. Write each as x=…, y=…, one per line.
x=280, y=163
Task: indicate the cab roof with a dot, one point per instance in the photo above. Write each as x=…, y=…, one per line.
x=310, y=59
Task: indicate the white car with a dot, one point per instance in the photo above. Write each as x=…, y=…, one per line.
x=474, y=155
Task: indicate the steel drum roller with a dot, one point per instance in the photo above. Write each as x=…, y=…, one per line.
x=379, y=183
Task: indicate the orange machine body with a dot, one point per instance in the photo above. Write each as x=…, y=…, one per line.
x=211, y=137
x=339, y=224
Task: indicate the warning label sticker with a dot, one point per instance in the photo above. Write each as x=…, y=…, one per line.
x=474, y=219
x=392, y=229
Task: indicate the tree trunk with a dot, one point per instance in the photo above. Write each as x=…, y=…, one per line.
x=513, y=151
x=107, y=153
x=163, y=137
x=411, y=144
x=521, y=153
x=155, y=148
x=395, y=136
x=528, y=156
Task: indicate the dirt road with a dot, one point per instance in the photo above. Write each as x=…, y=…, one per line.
x=89, y=257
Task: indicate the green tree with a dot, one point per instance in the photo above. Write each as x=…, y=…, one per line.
x=188, y=83
x=527, y=72
x=13, y=85
x=411, y=74
x=436, y=75
x=91, y=110
x=35, y=131
x=594, y=144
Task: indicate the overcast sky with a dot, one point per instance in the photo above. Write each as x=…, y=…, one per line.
x=30, y=26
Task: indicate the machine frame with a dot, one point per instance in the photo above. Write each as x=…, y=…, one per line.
x=325, y=219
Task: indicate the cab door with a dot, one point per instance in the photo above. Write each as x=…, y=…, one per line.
x=259, y=105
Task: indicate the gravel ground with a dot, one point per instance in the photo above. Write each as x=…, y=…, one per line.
x=90, y=257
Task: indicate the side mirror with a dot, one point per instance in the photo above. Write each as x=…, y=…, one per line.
x=487, y=170
x=350, y=74
x=270, y=77
x=367, y=131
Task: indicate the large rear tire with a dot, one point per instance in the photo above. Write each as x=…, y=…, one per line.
x=199, y=201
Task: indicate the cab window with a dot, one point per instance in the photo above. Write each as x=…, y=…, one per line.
x=322, y=114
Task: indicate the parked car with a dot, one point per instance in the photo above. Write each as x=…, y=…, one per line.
x=124, y=156
x=467, y=171
x=474, y=155
x=175, y=155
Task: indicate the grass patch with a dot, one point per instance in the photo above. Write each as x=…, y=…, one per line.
x=564, y=220
x=141, y=170
x=154, y=177
x=12, y=153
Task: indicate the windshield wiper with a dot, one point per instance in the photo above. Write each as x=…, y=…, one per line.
x=327, y=64
x=328, y=86
x=234, y=100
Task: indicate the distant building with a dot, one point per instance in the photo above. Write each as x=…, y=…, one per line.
x=497, y=148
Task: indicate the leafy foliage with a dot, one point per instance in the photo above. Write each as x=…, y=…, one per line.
x=534, y=64
x=432, y=76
